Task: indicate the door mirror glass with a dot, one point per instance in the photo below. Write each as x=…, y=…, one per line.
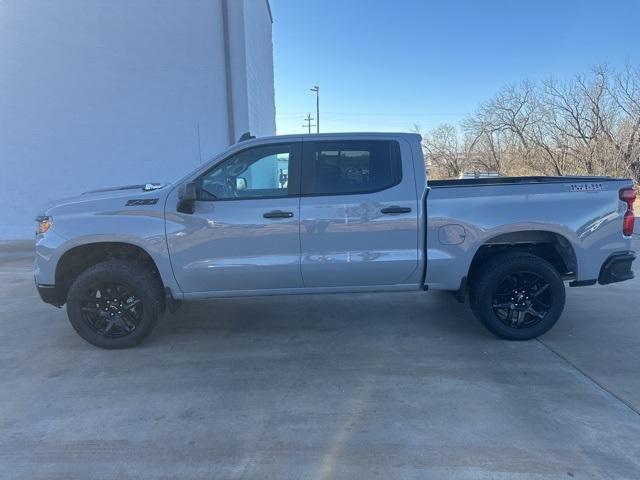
x=241, y=184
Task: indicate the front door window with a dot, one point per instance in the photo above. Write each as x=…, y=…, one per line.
x=261, y=172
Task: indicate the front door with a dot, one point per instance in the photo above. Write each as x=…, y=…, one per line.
x=358, y=213
x=244, y=233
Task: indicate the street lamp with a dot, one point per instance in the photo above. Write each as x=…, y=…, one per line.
x=317, y=90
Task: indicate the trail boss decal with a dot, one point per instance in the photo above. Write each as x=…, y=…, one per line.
x=586, y=187
x=141, y=201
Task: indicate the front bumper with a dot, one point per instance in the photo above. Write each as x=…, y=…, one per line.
x=617, y=268
x=49, y=294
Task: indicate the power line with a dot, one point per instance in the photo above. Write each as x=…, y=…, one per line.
x=380, y=114
x=308, y=120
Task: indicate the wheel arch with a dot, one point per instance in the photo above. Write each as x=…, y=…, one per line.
x=552, y=246
x=80, y=257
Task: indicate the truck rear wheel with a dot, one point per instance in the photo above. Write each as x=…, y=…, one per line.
x=518, y=296
x=114, y=304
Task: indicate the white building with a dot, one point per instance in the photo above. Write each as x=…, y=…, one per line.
x=96, y=93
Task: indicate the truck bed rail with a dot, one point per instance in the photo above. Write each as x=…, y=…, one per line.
x=472, y=182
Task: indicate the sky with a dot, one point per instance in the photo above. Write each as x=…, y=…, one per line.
x=385, y=65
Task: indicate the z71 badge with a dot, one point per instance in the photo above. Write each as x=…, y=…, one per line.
x=586, y=187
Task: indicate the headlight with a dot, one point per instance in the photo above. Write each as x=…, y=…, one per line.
x=45, y=222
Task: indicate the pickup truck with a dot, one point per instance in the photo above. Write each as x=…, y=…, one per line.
x=331, y=213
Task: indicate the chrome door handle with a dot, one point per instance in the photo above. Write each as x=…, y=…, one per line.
x=277, y=214
x=395, y=209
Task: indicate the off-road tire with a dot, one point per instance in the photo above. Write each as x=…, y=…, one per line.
x=491, y=276
x=145, y=286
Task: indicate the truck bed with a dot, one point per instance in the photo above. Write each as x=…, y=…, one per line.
x=581, y=214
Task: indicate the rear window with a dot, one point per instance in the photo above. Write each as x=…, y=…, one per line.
x=350, y=167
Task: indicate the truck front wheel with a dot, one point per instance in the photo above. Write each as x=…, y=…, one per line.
x=114, y=304
x=518, y=296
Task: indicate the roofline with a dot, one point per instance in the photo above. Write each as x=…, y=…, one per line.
x=275, y=139
x=311, y=136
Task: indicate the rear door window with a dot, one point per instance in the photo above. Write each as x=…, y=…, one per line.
x=350, y=167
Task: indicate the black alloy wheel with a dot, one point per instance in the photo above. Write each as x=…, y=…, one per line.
x=517, y=295
x=112, y=309
x=522, y=299
x=115, y=304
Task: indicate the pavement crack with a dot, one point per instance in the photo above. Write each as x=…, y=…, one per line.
x=590, y=378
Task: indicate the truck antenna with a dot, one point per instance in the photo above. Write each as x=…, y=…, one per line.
x=245, y=136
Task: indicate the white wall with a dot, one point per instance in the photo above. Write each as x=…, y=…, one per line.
x=111, y=92
x=252, y=67
x=259, y=56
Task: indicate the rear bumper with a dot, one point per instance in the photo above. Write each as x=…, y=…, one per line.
x=617, y=268
x=49, y=294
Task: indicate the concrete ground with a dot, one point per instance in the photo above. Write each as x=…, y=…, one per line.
x=367, y=386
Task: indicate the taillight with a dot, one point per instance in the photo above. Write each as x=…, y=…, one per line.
x=628, y=195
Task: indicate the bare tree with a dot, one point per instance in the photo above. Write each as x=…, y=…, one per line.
x=443, y=151
x=625, y=94
x=589, y=124
x=500, y=129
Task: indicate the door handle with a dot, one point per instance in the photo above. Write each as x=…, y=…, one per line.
x=395, y=209
x=277, y=214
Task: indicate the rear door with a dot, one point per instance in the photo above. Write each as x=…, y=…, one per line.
x=358, y=213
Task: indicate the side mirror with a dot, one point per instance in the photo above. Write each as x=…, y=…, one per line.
x=241, y=183
x=187, y=196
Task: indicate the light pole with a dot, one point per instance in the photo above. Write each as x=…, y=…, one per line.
x=317, y=90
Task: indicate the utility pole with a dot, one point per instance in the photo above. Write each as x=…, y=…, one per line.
x=308, y=124
x=317, y=90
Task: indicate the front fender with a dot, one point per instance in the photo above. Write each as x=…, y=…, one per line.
x=73, y=231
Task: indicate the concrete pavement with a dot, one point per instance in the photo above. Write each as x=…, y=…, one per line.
x=353, y=386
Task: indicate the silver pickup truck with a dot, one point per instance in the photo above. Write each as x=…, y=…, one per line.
x=330, y=213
